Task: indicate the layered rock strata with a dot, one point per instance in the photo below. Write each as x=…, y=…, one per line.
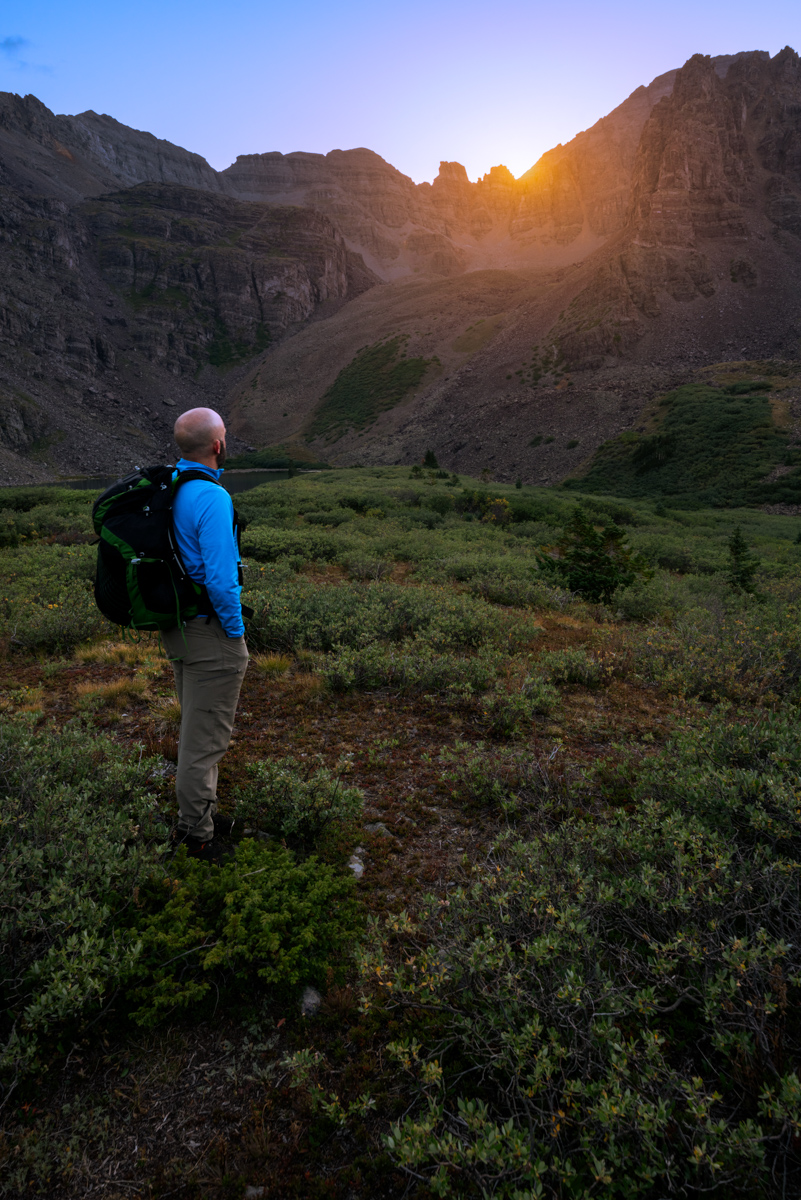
x=714, y=192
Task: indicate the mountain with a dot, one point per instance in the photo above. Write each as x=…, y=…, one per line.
x=121, y=305
x=328, y=303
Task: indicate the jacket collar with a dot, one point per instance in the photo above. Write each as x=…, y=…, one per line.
x=186, y=464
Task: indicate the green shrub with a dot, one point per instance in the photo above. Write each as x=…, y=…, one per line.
x=608, y=1012
x=89, y=909
x=296, y=802
x=376, y=379
x=592, y=562
x=510, y=712
x=46, y=601
x=299, y=613
x=56, y=627
x=646, y=599
x=73, y=820
x=740, y=778
x=489, y=778
x=268, y=545
x=745, y=652
x=412, y=667
x=713, y=448
x=261, y=917
x=45, y=514
x=571, y=666
x=521, y=593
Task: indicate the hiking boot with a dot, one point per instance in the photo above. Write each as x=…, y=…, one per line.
x=223, y=825
x=206, y=849
x=210, y=851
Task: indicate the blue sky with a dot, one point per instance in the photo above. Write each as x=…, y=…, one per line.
x=417, y=82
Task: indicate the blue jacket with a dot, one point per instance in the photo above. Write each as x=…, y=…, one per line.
x=203, y=516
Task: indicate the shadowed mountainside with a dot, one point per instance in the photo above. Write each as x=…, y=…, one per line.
x=547, y=309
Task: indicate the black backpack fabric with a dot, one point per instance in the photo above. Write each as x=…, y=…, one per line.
x=141, y=581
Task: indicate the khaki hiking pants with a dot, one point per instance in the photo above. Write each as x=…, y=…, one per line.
x=209, y=668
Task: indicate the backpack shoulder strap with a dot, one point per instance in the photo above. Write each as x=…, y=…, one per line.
x=186, y=476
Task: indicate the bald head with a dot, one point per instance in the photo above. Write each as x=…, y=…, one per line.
x=197, y=432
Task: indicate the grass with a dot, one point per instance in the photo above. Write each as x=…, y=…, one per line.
x=376, y=379
x=709, y=446
x=116, y=693
x=270, y=665
x=527, y=779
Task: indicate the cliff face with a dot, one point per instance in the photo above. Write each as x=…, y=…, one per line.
x=555, y=214
x=714, y=194
x=210, y=278
x=152, y=293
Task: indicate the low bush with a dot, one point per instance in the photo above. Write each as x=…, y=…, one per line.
x=261, y=917
x=46, y=603
x=296, y=802
x=266, y=544
x=57, y=626
x=572, y=666
x=481, y=777
x=646, y=599
x=521, y=593
x=72, y=836
x=299, y=613
x=90, y=910
x=743, y=652
x=740, y=778
x=413, y=667
x=608, y=1003
x=509, y=712
x=30, y=515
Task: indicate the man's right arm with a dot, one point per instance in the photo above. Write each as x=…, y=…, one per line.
x=218, y=549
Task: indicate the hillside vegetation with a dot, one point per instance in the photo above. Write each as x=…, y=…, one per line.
x=377, y=378
x=516, y=778
x=707, y=445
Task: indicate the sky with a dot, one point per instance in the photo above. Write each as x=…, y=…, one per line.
x=417, y=82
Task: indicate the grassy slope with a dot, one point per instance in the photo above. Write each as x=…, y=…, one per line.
x=705, y=446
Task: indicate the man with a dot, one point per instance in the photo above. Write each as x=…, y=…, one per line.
x=208, y=653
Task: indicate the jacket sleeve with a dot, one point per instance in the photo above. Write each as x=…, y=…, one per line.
x=214, y=515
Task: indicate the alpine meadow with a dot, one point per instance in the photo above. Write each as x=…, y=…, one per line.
x=511, y=907
x=516, y=772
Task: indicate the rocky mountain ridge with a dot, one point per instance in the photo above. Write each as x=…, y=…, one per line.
x=135, y=280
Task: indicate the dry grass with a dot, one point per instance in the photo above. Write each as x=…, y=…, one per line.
x=115, y=694
x=113, y=653
x=305, y=660
x=167, y=708
x=305, y=689
x=31, y=700
x=272, y=665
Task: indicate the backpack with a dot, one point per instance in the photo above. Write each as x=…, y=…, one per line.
x=141, y=581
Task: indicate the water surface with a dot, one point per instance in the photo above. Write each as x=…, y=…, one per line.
x=233, y=481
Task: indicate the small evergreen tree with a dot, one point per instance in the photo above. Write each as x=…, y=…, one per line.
x=743, y=565
x=592, y=562
x=430, y=460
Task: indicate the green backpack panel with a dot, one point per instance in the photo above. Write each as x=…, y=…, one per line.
x=141, y=581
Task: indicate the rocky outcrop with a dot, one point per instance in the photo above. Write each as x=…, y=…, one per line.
x=109, y=306
x=212, y=279
x=718, y=167
x=559, y=211
x=85, y=155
